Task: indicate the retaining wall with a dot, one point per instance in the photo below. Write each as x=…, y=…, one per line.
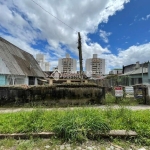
x=52, y=95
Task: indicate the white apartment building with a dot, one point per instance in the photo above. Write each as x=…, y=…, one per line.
x=95, y=66
x=45, y=66
x=67, y=64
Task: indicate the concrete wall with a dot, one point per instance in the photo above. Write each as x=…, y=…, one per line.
x=136, y=76
x=2, y=80
x=62, y=94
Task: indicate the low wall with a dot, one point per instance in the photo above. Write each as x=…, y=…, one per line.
x=52, y=95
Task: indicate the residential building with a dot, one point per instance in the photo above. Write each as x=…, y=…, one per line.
x=64, y=77
x=116, y=71
x=17, y=66
x=45, y=66
x=95, y=66
x=137, y=73
x=67, y=65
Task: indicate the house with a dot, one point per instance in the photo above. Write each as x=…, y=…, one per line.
x=137, y=73
x=17, y=66
x=56, y=77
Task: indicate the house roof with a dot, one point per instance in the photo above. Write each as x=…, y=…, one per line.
x=17, y=61
x=137, y=71
x=117, y=69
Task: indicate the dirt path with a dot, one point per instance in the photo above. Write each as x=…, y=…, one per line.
x=11, y=110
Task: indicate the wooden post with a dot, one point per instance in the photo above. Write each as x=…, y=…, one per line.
x=80, y=55
x=50, y=81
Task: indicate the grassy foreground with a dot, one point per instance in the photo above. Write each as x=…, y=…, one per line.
x=78, y=124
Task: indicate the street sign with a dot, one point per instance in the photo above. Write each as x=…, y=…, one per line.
x=118, y=92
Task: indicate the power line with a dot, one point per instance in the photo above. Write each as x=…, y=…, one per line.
x=53, y=15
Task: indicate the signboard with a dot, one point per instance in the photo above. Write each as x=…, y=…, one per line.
x=139, y=93
x=129, y=91
x=118, y=92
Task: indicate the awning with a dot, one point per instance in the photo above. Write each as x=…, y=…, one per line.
x=43, y=80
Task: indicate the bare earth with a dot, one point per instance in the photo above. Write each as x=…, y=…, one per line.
x=11, y=110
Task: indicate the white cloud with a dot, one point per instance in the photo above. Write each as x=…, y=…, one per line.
x=26, y=23
x=127, y=56
x=145, y=18
x=130, y=24
x=131, y=55
x=104, y=35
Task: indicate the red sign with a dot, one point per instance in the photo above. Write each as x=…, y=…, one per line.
x=118, y=88
x=118, y=92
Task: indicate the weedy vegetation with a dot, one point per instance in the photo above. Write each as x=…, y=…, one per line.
x=123, y=101
x=78, y=124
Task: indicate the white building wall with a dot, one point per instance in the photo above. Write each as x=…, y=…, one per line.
x=26, y=80
x=88, y=67
x=16, y=80
x=47, y=66
x=60, y=67
x=40, y=57
x=72, y=67
x=103, y=66
x=36, y=82
x=116, y=71
x=100, y=67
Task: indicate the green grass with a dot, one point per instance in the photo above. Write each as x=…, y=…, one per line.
x=78, y=124
x=111, y=100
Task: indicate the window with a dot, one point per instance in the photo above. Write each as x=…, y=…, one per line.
x=31, y=80
x=139, y=80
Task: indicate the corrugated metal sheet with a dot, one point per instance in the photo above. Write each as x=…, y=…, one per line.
x=20, y=72
x=11, y=67
x=2, y=54
x=18, y=61
x=1, y=43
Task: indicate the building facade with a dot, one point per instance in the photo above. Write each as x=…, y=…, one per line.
x=116, y=71
x=67, y=64
x=95, y=66
x=137, y=73
x=45, y=66
x=17, y=66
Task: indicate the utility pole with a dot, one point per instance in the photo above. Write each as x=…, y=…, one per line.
x=80, y=56
x=142, y=73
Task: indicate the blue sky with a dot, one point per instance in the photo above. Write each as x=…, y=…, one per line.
x=117, y=30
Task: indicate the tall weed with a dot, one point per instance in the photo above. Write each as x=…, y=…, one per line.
x=77, y=125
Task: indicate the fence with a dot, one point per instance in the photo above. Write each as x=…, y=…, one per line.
x=49, y=95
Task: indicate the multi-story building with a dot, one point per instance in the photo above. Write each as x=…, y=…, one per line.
x=45, y=66
x=116, y=71
x=67, y=64
x=95, y=67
